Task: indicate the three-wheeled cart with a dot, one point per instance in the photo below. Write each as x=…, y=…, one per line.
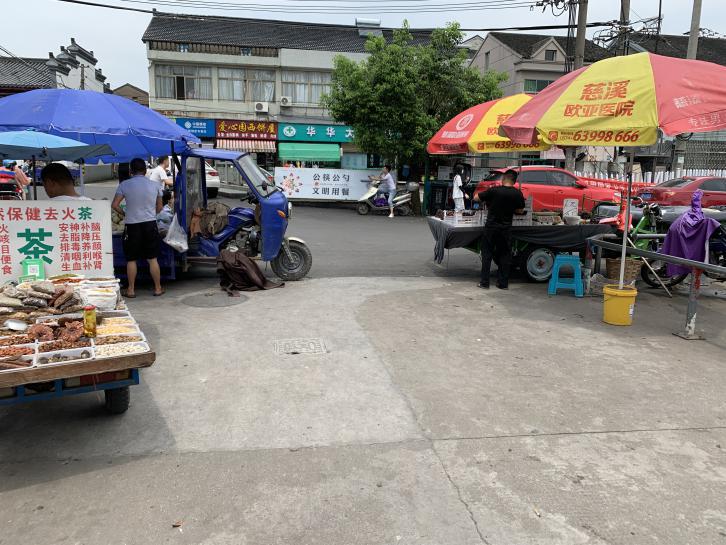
x=113, y=375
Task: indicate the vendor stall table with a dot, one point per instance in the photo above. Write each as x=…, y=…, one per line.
x=565, y=238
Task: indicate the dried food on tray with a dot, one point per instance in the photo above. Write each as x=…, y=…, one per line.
x=60, y=357
x=44, y=287
x=72, y=331
x=115, y=329
x=7, y=301
x=35, y=302
x=41, y=332
x=115, y=339
x=16, y=351
x=121, y=349
x=118, y=320
x=15, y=339
x=7, y=364
x=63, y=345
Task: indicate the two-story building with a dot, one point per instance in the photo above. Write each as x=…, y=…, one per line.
x=531, y=61
x=253, y=79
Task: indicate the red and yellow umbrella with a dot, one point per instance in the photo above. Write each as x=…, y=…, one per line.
x=623, y=101
x=477, y=129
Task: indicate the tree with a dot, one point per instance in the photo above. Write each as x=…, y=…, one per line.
x=403, y=92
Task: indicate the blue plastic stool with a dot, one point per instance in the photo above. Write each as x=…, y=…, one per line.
x=575, y=283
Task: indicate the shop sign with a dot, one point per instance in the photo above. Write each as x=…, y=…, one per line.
x=65, y=236
x=246, y=130
x=331, y=184
x=303, y=132
x=198, y=127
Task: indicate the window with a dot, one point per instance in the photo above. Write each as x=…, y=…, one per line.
x=533, y=177
x=305, y=87
x=715, y=184
x=183, y=82
x=486, y=60
x=534, y=86
x=555, y=177
x=677, y=182
x=232, y=84
x=550, y=54
x=262, y=85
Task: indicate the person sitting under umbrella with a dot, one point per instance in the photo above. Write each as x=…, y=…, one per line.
x=58, y=183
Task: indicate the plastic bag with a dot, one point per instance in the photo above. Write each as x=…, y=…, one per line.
x=176, y=237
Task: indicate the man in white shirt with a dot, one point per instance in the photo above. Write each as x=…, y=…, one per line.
x=159, y=174
x=58, y=183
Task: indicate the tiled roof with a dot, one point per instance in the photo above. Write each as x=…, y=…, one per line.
x=261, y=33
x=528, y=44
x=26, y=73
x=709, y=49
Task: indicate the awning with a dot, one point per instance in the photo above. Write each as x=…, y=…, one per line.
x=252, y=146
x=309, y=152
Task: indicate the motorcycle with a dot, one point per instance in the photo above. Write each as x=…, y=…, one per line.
x=369, y=201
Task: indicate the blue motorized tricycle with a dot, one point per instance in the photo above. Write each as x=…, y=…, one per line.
x=259, y=232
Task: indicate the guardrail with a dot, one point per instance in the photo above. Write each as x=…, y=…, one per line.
x=697, y=268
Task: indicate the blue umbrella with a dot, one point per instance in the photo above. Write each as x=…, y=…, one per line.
x=47, y=147
x=94, y=118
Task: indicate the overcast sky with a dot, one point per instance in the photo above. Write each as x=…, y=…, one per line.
x=35, y=27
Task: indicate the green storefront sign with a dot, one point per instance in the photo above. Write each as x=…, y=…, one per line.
x=303, y=132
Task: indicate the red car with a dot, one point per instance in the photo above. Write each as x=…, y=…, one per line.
x=550, y=186
x=678, y=192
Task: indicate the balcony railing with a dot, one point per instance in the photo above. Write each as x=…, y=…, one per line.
x=214, y=49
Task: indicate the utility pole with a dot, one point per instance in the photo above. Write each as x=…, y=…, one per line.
x=622, y=47
x=579, y=62
x=680, y=149
x=695, y=30
x=660, y=22
x=581, y=29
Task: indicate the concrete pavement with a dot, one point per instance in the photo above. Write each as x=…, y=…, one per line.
x=429, y=412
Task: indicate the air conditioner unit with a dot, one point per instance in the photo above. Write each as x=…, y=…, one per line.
x=262, y=107
x=285, y=102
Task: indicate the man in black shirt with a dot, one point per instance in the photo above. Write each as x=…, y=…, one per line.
x=502, y=203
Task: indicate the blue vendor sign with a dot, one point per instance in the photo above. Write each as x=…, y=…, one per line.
x=204, y=128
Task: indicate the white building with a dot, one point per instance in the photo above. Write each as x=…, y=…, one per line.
x=74, y=67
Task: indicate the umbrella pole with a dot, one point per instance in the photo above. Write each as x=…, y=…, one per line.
x=626, y=227
x=35, y=184
x=83, y=185
x=519, y=169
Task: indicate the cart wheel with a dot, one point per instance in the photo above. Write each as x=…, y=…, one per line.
x=538, y=264
x=117, y=400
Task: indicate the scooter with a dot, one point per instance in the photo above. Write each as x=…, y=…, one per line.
x=369, y=201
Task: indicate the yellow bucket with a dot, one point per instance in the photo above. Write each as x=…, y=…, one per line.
x=619, y=305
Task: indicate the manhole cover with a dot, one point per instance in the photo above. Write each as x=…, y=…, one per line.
x=300, y=346
x=213, y=299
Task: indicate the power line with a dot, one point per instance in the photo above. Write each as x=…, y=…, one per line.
x=321, y=9
x=597, y=24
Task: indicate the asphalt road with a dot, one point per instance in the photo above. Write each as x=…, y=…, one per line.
x=345, y=244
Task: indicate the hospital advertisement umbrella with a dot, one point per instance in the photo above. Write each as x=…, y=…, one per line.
x=34, y=145
x=623, y=101
x=476, y=130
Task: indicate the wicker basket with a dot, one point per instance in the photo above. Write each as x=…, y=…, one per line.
x=632, y=268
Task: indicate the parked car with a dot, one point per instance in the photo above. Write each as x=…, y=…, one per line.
x=678, y=192
x=550, y=186
x=212, y=179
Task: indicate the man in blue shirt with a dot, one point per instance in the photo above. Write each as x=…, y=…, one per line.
x=141, y=238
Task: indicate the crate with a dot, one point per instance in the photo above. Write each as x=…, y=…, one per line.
x=632, y=268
